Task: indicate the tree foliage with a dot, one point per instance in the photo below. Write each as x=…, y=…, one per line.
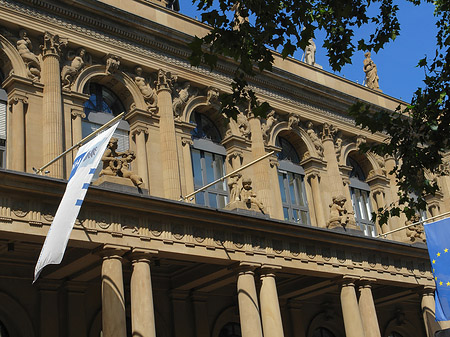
x=248, y=31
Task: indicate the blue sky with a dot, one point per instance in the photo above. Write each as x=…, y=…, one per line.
x=396, y=63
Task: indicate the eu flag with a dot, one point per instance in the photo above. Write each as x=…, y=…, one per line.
x=438, y=241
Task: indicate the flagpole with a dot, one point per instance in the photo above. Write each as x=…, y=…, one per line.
x=413, y=224
x=81, y=142
x=227, y=175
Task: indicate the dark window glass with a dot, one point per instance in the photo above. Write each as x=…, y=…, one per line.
x=102, y=99
x=205, y=128
x=322, y=332
x=230, y=329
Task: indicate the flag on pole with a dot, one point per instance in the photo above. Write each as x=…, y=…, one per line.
x=83, y=169
x=438, y=242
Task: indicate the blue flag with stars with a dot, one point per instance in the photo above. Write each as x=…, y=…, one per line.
x=438, y=242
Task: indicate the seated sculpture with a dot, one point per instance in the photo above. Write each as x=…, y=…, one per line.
x=244, y=197
x=248, y=196
x=416, y=232
x=339, y=216
x=117, y=163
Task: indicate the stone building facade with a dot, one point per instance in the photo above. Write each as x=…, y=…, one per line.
x=285, y=248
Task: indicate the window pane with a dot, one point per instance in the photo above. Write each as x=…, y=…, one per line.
x=295, y=216
x=209, y=167
x=282, y=190
x=222, y=200
x=196, y=167
x=300, y=190
x=286, y=213
x=291, y=188
x=212, y=198
x=218, y=172
x=200, y=198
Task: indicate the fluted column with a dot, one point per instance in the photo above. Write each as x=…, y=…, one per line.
x=270, y=306
x=248, y=303
x=77, y=129
x=367, y=310
x=17, y=127
x=261, y=178
x=313, y=179
x=113, y=299
x=52, y=117
x=142, y=311
x=350, y=310
x=186, y=143
x=140, y=135
x=169, y=156
x=427, y=305
x=277, y=209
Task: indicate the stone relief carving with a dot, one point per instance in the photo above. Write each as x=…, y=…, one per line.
x=212, y=96
x=415, y=233
x=112, y=63
x=165, y=80
x=25, y=49
x=338, y=147
x=371, y=73
x=339, y=216
x=328, y=131
x=315, y=139
x=243, y=125
x=248, y=196
x=52, y=44
x=244, y=197
x=76, y=61
x=268, y=125
x=118, y=163
x=293, y=121
x=444, y=169
x=233, y=187
x=181, y=96
x=149, y=93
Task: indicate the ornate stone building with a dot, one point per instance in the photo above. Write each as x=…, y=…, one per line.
x=285, y=248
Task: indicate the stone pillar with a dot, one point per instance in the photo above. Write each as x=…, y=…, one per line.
x=350, y=309
x=261, y=178
x=248, y=303
x=277, y=209
x=50, y=324
x=367, y=310
x=201, y=315
x=142, y=312
x=168, y=149
x=76, y=317
x=77, y=130
x=270, y=306
x=428, y=306
x=313, y=179
x=113, y=299
x=140, y=134
x=186, y=143
x=182, y=314
x=295, y=313
x=17, y=129
x=52, y=116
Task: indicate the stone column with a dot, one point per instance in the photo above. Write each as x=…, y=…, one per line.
x=270, y=306
x=295, y=313
x=248, y=303
x=140, y=134
x=350, y=310
x=428, y=306
x=76, y=317
x=367, y=310
x=313, y=179
x=142, y=312
x=182, y=314
x=168, y=149
x=17, y=124
x=277, y=205
x=52, y=116
x=50, y=324
x=77, y=129
x=113, y=299
x=261, y=178
x=186, y=143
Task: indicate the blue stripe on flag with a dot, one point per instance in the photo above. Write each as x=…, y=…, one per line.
x=79, y=202
x=85, y=186
x=92, y=170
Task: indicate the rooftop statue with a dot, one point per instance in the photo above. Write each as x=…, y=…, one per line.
x=339, y=216
x=370, y=69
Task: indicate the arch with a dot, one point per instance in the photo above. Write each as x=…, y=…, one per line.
x=404, y=328
x=14, y=317
x=229, y=315
x=322, y=320
x=17, y=64
x=367, y=161
x=298, y=133
x=118, y=81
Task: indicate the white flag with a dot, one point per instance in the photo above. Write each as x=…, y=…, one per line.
x=83, y=169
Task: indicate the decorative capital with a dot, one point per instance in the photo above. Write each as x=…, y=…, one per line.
x=75, y=113
x=313, y=175
x=165, y=80
x=139, y=130
x=328, y=131
x=19, y=98
x=273, y=161
x=52, y=45
x=187, y=141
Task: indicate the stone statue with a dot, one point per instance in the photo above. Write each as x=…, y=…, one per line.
x=268, y=125
x=371, y=73
x=149, y=94
x=310, y=52
x=338, y=147
x=181, y=97
x=233, y=186
x=243, y=125
x=315, y=139
x=112, y=63
x=212, y=97
x=415, y=233
x=328, y=131
x=118, y=163
x=77, y=62
x=293, y=121
x=248, y=196
x=339, y=216
x=25, y=47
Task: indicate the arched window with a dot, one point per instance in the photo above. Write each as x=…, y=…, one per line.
x=322, y=332
x=231, y=329
x=102, y=106
x=292, y=187
x=3, y=105
x=208, y=162
x=3, y=331
x=360, y=193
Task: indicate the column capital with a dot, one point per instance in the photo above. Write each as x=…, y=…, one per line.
x=52, y=45
x=427, y=291
x=142, y=255
x=377, y=190
x=16, y=98
x=165, y=81
x=139, y=130
x=347, y=281
x=273, y=161
x=75, y=113
x=313, y=174
x=245, y=267
x=366, y=282
x=187, y=141
x=109, y=251
x=268, y=270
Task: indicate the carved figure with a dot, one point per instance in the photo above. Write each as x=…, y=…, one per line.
x=310, y=52
x=248, y=196
x=77, y=62
x=25, y=47
x=293, y=121
x=233, y=186
x=268, y=125
x=165, y=79
x=181, y=97
x=339, y=216
x=338, y=147
x=147, y=92
x=315, y=139
x=118, y=163
x=243, y=125
x=112, y=64
x=328, y=131
x=415, y=232
x=371, y=73
x=212, y=97
x=360, y=140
